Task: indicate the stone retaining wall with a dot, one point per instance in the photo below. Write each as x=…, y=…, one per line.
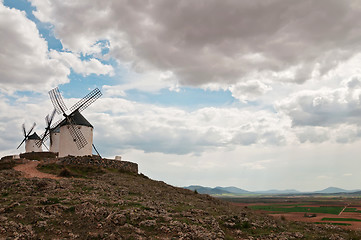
x=100, y=162
x=38, y=155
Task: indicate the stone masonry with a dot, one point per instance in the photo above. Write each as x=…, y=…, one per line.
x=100, y=162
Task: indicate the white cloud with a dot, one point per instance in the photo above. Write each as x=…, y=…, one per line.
x=170, y=130
x=325, y=107
x=24, y=60
x=152, y=81
x=199, y=147
x=248, y=91
x=14, y=113
x=206, y=42
x=86, y=67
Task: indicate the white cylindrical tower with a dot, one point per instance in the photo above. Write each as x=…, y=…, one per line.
x=54, y=140
x=67, y=144
x=30, y=143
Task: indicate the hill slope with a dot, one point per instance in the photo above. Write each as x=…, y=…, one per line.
x=108, y=204
x=335, y=190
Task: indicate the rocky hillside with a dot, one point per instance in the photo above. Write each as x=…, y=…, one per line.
x=108, y=204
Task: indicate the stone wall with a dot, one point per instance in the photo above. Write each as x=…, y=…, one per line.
x=38, y=155
x=100, y=162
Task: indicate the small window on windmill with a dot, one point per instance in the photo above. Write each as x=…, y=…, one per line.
x=79, y=127
x=74, y=139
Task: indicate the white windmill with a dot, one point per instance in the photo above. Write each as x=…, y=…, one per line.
x=30, y=140
x=73, y=135
x=50, y=132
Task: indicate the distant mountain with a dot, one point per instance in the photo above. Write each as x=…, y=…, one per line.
x=234, y=190
x=335, y=190
x=207, y=190
x=275, y=191
x=217, y=190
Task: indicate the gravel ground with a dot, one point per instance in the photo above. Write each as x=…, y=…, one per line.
x=29, y=170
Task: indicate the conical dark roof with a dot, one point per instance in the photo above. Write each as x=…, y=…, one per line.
x=78, y=119
x=34, y=136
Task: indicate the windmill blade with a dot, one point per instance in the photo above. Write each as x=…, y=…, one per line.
x=46, y=147
x=96, y=150
x=43, y=138
x=86, y=101
x=77, y=135
x=46, y=134
x=57, y=101
x=21, y=143
x=41, y=141
x=51, y=139
x=47, y=120
x=51, y=117
x=26, y=134
x=24, y=131
x=57, y=124
x=31, y=129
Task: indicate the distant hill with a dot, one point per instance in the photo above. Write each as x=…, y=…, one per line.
x=217, y=190
x=335, y=190
x=236, y=191
x=207, y=190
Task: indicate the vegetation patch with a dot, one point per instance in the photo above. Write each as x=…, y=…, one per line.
x=6, y=165
x=352, y=210
x=71, y=170
x=281, y=208
x=333, y=223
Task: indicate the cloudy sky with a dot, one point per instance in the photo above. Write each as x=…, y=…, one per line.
x=254, y=94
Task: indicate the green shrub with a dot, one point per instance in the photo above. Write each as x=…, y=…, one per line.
x=65, y=173
x=246, y=224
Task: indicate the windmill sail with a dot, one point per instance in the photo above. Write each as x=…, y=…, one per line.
x=57, y=101
x=78, y=107
x=45, y=135
x=26, y=134
x=86, y=101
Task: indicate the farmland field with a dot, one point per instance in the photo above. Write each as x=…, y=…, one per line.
x=333, y=210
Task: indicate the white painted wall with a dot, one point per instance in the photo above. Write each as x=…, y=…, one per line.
x=55, y=137
x=67, y=145
x=30, y=146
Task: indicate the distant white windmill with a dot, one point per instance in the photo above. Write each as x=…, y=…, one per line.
x=30, y=140
x=50, y=132
x=74, y=134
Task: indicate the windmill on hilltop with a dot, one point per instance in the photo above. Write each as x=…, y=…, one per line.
x=51, y=133
x=73, y=135
x=30, y=140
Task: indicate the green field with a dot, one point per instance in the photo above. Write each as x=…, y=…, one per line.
x=299, y=208
x=351, y=210
x=331, y=223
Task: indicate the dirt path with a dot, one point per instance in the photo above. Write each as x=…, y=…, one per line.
x=343, y=209
x=29, y=170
